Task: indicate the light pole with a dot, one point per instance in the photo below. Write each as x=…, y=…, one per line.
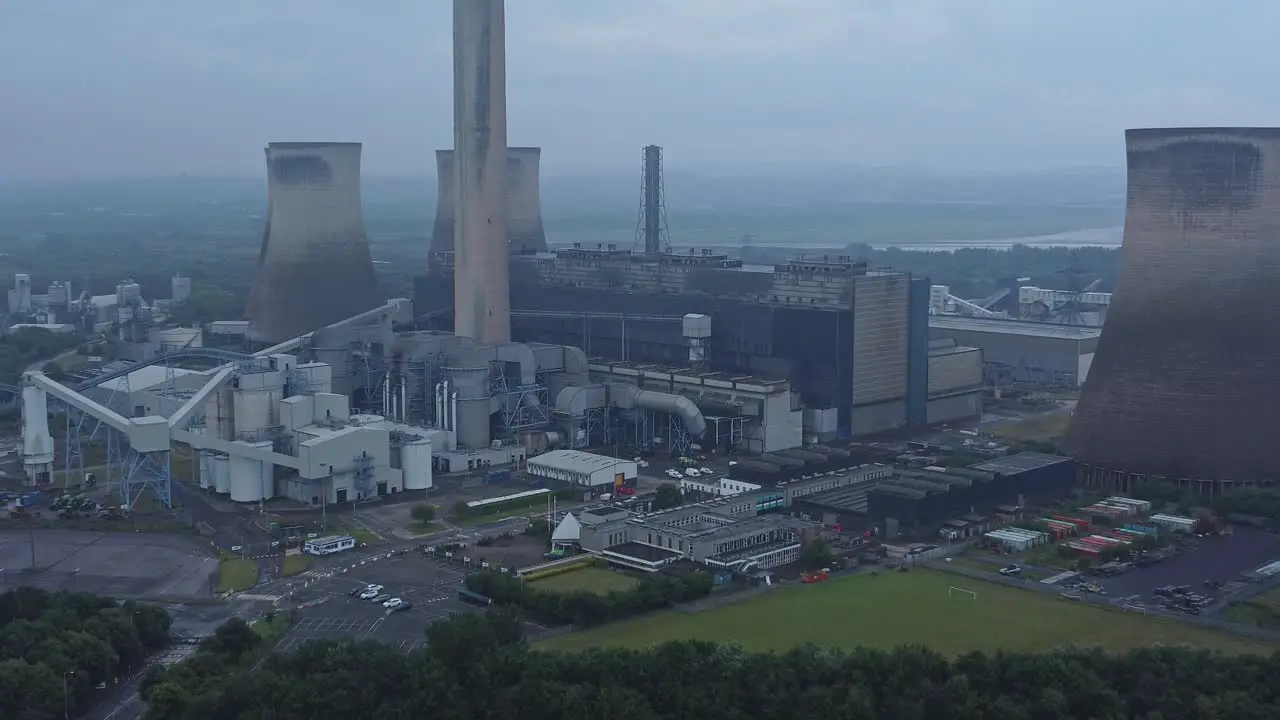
x=66, y=697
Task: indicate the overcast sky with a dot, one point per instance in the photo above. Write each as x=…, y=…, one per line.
x=161, y=87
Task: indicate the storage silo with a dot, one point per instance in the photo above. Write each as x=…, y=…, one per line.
x=221, y=474
x=254, y=401
x=415, y=463
x=246, y=479
x=267, y=474
x=470, y=392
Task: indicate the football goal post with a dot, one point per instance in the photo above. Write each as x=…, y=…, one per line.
x=961, y=593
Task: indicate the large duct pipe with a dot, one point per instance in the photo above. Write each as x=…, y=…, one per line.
x=450, y=416
x=629, y=396
x=482, y=291
x=438, y=415
x=472, y=403
x=1178, y=385
x=404, y=402
x=453, y=418
x=314, y=267
x=525, y=232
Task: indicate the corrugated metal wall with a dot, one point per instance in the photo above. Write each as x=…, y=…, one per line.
x=957, y=370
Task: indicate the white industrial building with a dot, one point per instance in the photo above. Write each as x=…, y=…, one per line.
x=1035, y=353
x=582, y=469
x=717, y=487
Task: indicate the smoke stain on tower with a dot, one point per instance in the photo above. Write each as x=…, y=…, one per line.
x=1183, y=383
x=314, y=267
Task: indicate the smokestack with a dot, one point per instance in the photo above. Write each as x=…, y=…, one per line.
x=525, y=233
x=482, y=292
x=314, y=268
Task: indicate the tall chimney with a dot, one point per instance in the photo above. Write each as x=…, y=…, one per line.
x=482, y=293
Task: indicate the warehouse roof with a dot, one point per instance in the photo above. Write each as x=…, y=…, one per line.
x=574, y=461
x=1013, y=327
x=1021, y=462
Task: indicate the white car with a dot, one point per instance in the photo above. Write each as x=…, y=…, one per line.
x=692, y=472
x=706, y=471
x=369, y=594
x=674, y=474
x=393, y=603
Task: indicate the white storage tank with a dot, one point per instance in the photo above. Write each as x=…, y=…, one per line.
x=179, y=338
x=221, y=474
x=206, y=470
x=415, y=463
x=246, y=479
x=268, y=474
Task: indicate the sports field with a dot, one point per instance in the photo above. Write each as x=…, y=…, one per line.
x=601, y=582
x=912, y=608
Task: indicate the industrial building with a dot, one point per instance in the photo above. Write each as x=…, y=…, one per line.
x=1182, y=387
x=728, y=534
x=314, y=268
x=525, y=233
x=1038, y=354
x=582, y=469
x=921, y=502
x=955, y=382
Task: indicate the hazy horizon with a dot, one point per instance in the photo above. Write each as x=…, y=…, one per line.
x=159, y=89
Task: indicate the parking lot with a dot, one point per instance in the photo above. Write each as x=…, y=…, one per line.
x=331, y=612
x=1212, y=566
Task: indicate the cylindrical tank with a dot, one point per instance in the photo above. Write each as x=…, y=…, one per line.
x=221, y=474
x=179, y=338
x=205, y=461
x=415, y=462
x=254, y=400
x=268, y=475
x=246, y=479
x=472, y=387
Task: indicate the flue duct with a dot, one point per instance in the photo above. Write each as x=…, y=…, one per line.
x=482, y=292
x=314, y=267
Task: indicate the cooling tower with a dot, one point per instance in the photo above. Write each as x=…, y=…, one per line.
x=314, y=268
x=482, y=292
x=1183, y=384
x=525, y=234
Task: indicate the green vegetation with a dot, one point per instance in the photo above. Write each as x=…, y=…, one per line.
x=47, y=639
x=908, y=608
x=294, y=564
x=425, y=528
x=1258, y=502
x=368, y=537
x=1042, y=428
x=587, y=579
x=667, y=496
x=236, y=574
x=583, y=608
x=1262, y=611
x=423, y=512
x=479, y=666
x=28, y=346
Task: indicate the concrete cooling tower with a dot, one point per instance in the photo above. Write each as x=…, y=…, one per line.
x=525, y=234
x=314, y=268
x=1183, y=384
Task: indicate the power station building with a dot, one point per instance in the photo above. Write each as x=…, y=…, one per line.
x=314, y=268
x=1181, y=388
x=1019, y=351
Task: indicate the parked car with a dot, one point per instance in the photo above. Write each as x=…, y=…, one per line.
x=402, y=607
x=1011, y=570
x=674, y=474
x=381, y=598
x=393, y=603
x=368, y=594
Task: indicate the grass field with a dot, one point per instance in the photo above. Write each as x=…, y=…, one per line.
x=294, y=564
x=601, y=582
x=1049, y=427
x=235, y=574
x=1262, y=611
x=904, y=609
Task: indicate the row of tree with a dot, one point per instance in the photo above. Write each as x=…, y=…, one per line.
x=27, y=346
x=55, y=648
x=655, y=591
x=193, y=685
x=479, y=666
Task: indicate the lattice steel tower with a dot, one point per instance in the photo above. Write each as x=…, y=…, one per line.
x=651, y=226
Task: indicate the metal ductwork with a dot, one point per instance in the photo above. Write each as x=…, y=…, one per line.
x=314, y=267
x=525, y=233
x=629, y=396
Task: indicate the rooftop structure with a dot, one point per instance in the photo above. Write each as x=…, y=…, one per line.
x=314, y=267
x=1181, y=387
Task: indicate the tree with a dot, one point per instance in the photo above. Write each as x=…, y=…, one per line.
x=423, y=512
x=667, y=496
x=817, y=554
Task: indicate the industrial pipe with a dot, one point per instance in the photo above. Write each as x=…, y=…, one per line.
x=404, y=408
x=438, y=416
x=453, y=414
x=444, y=408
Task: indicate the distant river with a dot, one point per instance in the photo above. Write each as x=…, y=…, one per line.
x=1096, y=237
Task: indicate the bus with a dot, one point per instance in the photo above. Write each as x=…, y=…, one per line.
x=329, y=545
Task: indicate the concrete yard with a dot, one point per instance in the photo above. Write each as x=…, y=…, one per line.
x=1219, y=558
x=430, y=585
x=153, y=565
